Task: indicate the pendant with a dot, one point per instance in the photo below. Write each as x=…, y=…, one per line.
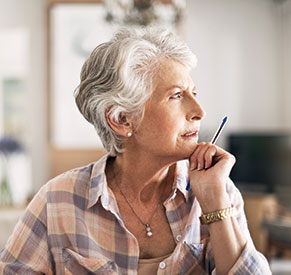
x=149, y=230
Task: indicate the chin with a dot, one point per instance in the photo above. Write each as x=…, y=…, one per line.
x=181, y=152
x=187, y=151
x=184, y=154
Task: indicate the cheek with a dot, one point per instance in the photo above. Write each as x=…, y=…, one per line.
x=162, y=121
x=158, y=126
x=168, y=127
x=166, y=121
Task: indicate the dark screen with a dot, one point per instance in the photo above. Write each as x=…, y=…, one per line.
x=258, y=158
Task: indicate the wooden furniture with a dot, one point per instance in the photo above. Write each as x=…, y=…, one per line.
x=257, y=207
x=278, y=230
x=269, y=227
x=62, y=160
x=278, y=239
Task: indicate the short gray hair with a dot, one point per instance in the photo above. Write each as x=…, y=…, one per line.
x=117, y=77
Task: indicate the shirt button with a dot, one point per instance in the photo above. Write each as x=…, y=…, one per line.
x=178, y=238
x=162, y=265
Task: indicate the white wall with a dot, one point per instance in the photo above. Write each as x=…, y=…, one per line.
x=31, y=14
x=285, y=51
x=237, y=44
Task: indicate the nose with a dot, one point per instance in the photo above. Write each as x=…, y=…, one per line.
x=196, y=111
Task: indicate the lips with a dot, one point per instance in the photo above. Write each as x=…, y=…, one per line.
x=191, y=133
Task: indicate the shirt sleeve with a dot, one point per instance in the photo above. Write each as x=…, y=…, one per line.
x=26, y=251
x=250, y=261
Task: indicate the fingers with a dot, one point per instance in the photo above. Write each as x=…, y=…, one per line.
x=207, y=154
x=193, y=158
x=202, y=156
x=227, y=161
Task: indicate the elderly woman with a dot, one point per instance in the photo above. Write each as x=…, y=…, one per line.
x=130, y=212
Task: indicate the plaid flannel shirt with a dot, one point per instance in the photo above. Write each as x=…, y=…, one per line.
x=73, y=226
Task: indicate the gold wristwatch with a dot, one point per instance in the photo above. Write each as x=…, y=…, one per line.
x=218, y=215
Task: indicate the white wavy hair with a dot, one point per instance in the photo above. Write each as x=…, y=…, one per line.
x=117, y=77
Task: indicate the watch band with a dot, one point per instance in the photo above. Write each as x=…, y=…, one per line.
x=218, y=215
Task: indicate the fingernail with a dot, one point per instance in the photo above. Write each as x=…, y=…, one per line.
x=198, y=167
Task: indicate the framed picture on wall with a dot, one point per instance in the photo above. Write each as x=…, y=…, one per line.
x=75, y=30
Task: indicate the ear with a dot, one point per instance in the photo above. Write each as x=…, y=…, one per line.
x=122, y=127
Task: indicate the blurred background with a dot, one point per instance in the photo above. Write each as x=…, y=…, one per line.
x=243, y=49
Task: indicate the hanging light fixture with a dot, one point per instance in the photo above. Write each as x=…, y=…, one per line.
x=144, y=12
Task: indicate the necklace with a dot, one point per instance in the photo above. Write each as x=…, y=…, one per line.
x=147, y=225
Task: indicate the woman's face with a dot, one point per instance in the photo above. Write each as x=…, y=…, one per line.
x=172, y=115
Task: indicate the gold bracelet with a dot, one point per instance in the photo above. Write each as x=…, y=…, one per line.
x=218, y=215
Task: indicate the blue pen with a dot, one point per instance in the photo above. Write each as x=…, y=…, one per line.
x=213, y=141
x=217, y=133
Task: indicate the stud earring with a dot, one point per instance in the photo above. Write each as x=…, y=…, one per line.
x=129, y=134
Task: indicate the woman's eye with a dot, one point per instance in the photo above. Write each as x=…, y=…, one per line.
x=176, y=95
x=194, y=93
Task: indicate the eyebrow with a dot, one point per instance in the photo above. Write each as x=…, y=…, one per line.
x=180, y=87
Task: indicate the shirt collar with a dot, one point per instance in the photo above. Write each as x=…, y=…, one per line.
x=98, y=182
x=182, y=178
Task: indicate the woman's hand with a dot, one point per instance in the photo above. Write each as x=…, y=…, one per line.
x=210, y=167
